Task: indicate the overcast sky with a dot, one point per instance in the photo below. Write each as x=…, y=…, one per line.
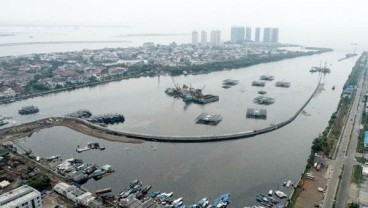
x=336, y=17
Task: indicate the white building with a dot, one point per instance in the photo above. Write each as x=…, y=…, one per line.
x=194, y=37
x=215, y=37
x=248, y=34
x=77, y=195
x=204, y=38
x=24, y=196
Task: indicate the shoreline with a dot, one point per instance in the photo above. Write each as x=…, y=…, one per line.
x=39, y=94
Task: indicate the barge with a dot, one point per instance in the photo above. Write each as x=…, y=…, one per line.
x=282, y=84
x=209, y=119
x=258, y=83
x=28, y=110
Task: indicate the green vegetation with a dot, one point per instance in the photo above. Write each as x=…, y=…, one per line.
x=40, y=183
x=357, y=174
x=297, y=190
x=353, y=205
x=238, y=63
x=361, y=159
x=327, y=141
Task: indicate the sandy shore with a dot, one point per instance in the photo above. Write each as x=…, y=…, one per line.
x=79, y=125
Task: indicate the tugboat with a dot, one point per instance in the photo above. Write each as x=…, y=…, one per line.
x=28, y=110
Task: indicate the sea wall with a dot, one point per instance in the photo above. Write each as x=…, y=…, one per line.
x=67, y=121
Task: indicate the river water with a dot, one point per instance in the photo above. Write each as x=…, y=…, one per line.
x=243, y=167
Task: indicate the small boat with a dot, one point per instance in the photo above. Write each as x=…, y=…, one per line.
x=259, y=198
x=222, y=201
x=146, y=189
x=154, y=194
x=262, y=92
x=288, y=183
x=270, y=192
x=263, y=197
x=178, y=200
x=203, y=202
x=177, y=205
x=102, y=191
x=280, y=194
x=79, y=150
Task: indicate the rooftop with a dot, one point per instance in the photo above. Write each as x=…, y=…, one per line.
x=21, y=194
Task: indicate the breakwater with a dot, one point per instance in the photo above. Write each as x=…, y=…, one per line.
x=85, y=127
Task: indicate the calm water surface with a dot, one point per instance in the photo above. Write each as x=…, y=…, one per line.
x=242, y=167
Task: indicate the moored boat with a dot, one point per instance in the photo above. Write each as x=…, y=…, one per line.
x=28, y=110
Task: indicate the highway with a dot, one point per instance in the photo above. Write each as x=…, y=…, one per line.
x=345, y=156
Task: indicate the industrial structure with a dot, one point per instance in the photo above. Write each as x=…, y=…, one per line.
x=24, y=196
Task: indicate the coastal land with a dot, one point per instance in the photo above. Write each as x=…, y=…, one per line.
x=34, y=75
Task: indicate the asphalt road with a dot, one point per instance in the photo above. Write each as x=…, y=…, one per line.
x=345, y=157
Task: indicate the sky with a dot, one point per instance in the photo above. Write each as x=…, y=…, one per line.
x=309, y=20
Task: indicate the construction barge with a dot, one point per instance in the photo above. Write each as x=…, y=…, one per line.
x=262, y=100
x=283, y=84
x=259, y=83
x=256, y=113
x=209, y=119
x=191, y=95
x=267, y=77
x=90, y=146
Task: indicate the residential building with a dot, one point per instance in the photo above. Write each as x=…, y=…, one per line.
x=204, y=38
x=194, y=37
x=24, y=196
x=237, y=34
x=215, y=37
x=266, y=34
x=248, y=34
x=257, y=34
x=275, y=35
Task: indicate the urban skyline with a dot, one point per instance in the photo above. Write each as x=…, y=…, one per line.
x=238, y=35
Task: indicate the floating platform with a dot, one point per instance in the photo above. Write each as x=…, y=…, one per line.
x=80, y=114
x=210, y=119
x=282, y=84
x=227, y=83
x=267, y=77
x=256, y=113
x=207, y=99
x=107, y=119
x=262, y=100
x=259, y=83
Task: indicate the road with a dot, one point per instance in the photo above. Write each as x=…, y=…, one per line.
x=345, y=157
